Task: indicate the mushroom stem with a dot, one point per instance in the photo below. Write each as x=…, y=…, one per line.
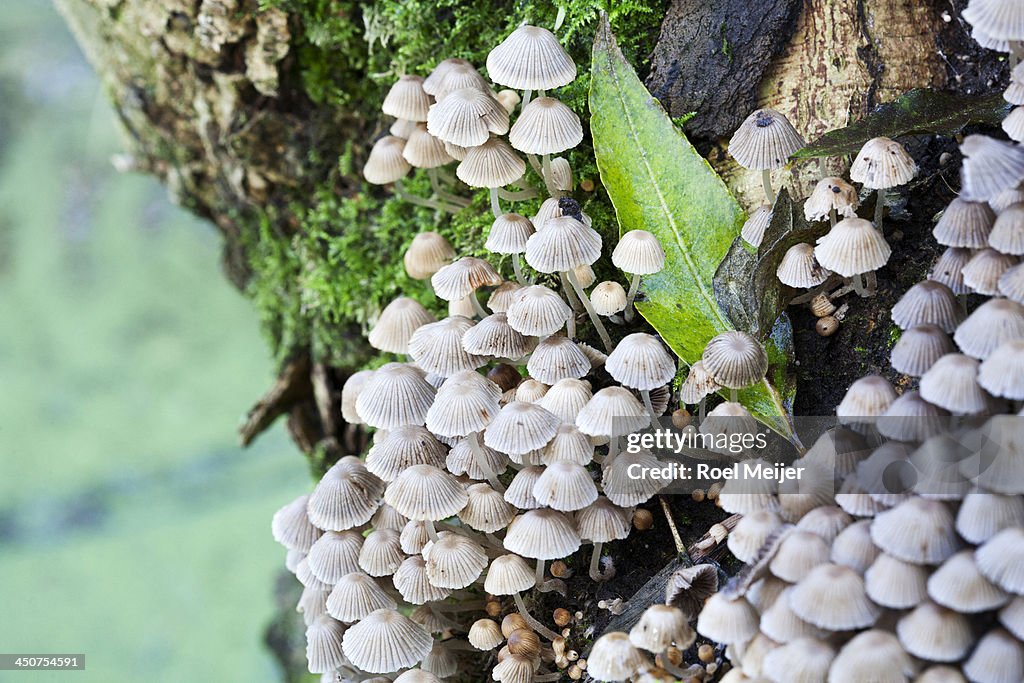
x=540, y=572
x=574, y=301
x=420, y=201
x=552, y=676
x=431, y=531
x=858, y=285
x=594, y=317
x=545, y=161
x=533, y=622
x=634, y=286
x=702, y=409
x=832, y=217
x=1016, y=51
x=646, y=396
x=871, y=280
x=435, y=184
x=527, y=96
x=672, y=668
x=766, y=183
x=733, y=395
x=451, y=623
x=517, y=266
x=477, y=306
x=481, y=461
x=595, y=565
x=570, y=326
x=495, y=206
x=879, y=209
x=519, y=196
x=535, y=164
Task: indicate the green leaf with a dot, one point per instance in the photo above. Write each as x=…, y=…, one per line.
x=920, y=111
x=658, y=182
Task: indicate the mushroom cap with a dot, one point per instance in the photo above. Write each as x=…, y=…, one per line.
x=965, y=224
x=561, y=174
x=986, y=267
x=799, y=268
x=387, y=517
x=640, y=361
x=334, y=555
x=1006, y=198
x=418, y=675
x=1011, y=283
x=782, y=625
x=396, y=324
x=735, y=360
x=997, y=19
x=565, y=486
x=385, y=641
x=453, y=560
x=928, y=302
x=490, y=164
x=624, y=487
x=546, y=126
x=948, y=269
x=756, y=225
x=608, y=298
x=355, y=596
x=990, y=325
x=486, y=509
x=402, y=128
x=438, y=349
x=531, y=391
x=935, y=633
x=460, y=77
x=386, y=163
x=566, y=398
x=427, y=253
x=826, y=521
x=463, y=277
x=1001, y=559
x=465, y=403
x=952, y=383
x=868, y=397
x=639, y=253
x=520, y=428
x=467, y=117
x=324, y=644
x=508, y=234
x=396, y=395
x=502, y=297
x=602, y=521
x=853, y=246
x=1012, y=616
x=911, y=418
x=882, y=163
x=423, y=150
x=896, y=584
x=918, y=348
x=854, y=549
x=412, y=583
x=381, y=552
x=832, y=597
x=412, y=539
x=426, y=493
x=751, y=533
x=918, y=531
x=765, y=140
x=509, y=574
x=561, y=244
x=542, y=534
x=462, y=460
x=485, y=634
x=873, y=655
x=568, y=445
x=346, y=496
x=537, y=311
x=1013, y=124
x=797, y=554
x=432, y=81
x=698, y=384
x=520, y=489
x=960, y=586
x=557, y=358
x=493, y=336
x=998, y=657
x=291, y=527
x=350, y=392
x=531, y=58
x=726, y=620
x=614, y=658
x=804, y=660
x=983, y=514
x=989, y=167
x=514, y=668
x=831, y=194
x=403, y=447
x=661, y=627
x=612, y=411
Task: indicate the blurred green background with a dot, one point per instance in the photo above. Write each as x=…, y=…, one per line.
x=132, y=527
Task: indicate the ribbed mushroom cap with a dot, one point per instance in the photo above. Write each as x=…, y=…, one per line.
x=612, y=411
x=727, y=418
x=745, y=494
x=531, y=391
x=546, y=126
x=437, y=347
x=565, y=486
x=935, y=633
x=568, y=445
x=852, y=498
x=407, y=99
x=982, y=515
x=426, y=493
x=735, y=360
x=797, y=554
x=989, y=167
x=350, y=392
x=403, y=447
x=614, y=658
x=661, y=627
x=919, y=531
x=689, y=587
x=608, y=298
x=486, y=510
x=1006, y=199
x=873, y=655
x=551, y=208
x=826, y=521
x=698, y=384
x=561, y=244
x=387, y=517
x=537, y=311
x=509, y=574
x=402, y=128
x=756, y=224
x=1001, y=559
x=893, y=583
x=989, y=326
x=334, y=555
x=502, y=297
x=513, y=668
x=508, y=234
x=1013, y=124
x=804, y=660
x=831, y=194
x=386, y=641
x=765, y=140
x=420, y=675
x=386, y=163
x=960, y=586
x=520, y=428
x=595, y=356
x=868, y=397
x=381, y=552
x=928, y=302
x=324, y=645
x=490, y=164
x=396, y=323
x=566, y=398
x=465, y=403
x=453, y=561
x=531, y=58
x=640, y=361
x=882, y=163
x=998, y=658
x=603, y=521
x=996, y=18
x=918, y=348
x=427, y=254
x=461, y=460
x=423, y=150
x=952, y=383
x=557, y=358
x=750, y=534
x=986, y=267
x=799, y=268
x=493, y=336
x=629, y=487
x=853, y=246
x=1012, y=616
x=460, y=77
x=725, y=620
x=463, y=277
x=940, y=674
x=1011, y=283
x=948, y=269
x=561, y=174
x=396, y=395
x=411, y=581
x=639, y=253
x=911, y=418
x=542, y=535
x=467, y=117
x=832, y=597
x=965, y=224
x=346, y=496
x=291, y=527
x=782, y=625
x=853, y=548
x=485, y=634
x=355, y=596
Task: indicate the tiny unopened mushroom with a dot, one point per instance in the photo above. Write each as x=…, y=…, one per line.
x=765, y=141
x=638, y=253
